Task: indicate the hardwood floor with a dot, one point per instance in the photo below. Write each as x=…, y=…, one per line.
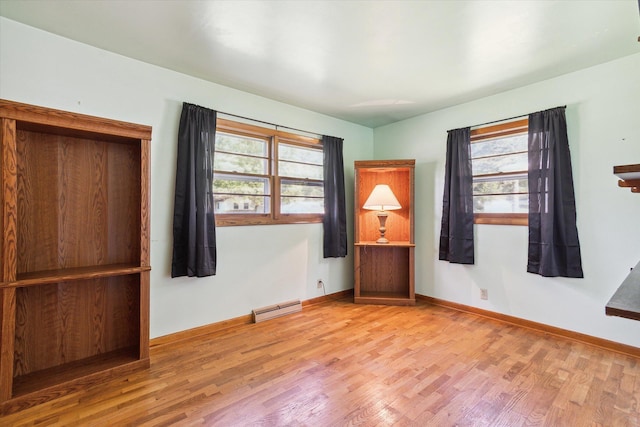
x=340, y=364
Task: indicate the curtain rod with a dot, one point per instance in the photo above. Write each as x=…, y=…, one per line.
x=273, y=124
x=506, y=120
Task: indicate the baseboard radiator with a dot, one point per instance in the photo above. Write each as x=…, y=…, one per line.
x=277, y=310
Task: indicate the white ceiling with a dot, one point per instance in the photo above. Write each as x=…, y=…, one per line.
x=368, y=62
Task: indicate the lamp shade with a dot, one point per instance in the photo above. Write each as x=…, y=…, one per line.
x=381, y=199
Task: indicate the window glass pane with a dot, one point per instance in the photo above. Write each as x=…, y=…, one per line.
x=301, y=197
x=500, y=164
x=240, y=164
x=301, y=188
x=500, y=185
x=238, y=204
x=509, y=144
x=300, y=154
x=241, y=194
x=299, y=170
x=245, y=169
x=241, y=144
x=297, y=205
x=513, y=203
x=232, y=184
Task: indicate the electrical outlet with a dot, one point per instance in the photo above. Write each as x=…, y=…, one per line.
x=320, y=284
x=484, y=294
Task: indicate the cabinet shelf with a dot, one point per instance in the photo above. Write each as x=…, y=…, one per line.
x=382, y=245
x=625, y=302
x=51, y=377
x=76, y=273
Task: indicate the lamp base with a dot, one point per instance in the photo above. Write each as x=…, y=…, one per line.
x=382, y=217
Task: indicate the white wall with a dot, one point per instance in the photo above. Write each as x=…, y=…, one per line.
x=258, y=265
x=603, y=114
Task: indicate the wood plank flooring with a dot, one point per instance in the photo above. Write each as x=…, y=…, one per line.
x=340, y=364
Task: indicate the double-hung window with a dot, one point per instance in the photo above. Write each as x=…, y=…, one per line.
x=266, y=176
x=499, y=162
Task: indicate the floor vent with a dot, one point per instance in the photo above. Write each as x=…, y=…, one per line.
x=266, y=313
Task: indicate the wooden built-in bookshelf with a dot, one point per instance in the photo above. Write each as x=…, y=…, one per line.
x=629, y=177
x=74, y=278
x=384, y=273
x=625, y=302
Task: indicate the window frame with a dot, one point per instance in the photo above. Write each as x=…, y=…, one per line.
x=273, y=137
x=484, y=133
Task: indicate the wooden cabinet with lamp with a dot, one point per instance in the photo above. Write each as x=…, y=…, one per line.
x=384, y=232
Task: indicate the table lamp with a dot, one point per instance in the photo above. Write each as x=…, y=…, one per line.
x=382, y=200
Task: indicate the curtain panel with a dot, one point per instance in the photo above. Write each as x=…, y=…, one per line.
x=335, y=214
x=194, y=227
x=456, y=234
x=554, y=248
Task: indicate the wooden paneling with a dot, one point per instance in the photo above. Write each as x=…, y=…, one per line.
x=63, y=322
x=398, y=222
x=385, y=269
x=124, y=196
x=37, y=165
x=73, y=124
x=78, y=201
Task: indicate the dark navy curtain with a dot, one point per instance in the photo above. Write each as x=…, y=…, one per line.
x=554, y=248
x=335, y=214
x=194, y=227
x=456, y=233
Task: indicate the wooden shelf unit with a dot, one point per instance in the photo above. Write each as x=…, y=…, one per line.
x=384, y=273
x=629, y=176
x=625, y=302
x=74, y=252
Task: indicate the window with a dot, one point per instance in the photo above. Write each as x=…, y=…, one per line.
x=275, y=176
x=499, y=161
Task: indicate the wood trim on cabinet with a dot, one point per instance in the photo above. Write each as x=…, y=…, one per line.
x=7, y=341
x=67, y=122
x=8, y=198
x=145, y=301
x=145, y=198
x=377, y=164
